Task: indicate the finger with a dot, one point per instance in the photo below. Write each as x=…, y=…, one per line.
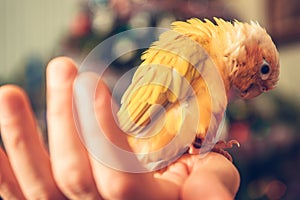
x=69, y=158
x=104, y=107
x=24, y=146
x=216, y=170
x=9, y=186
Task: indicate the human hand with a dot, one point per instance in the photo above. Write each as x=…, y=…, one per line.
x=68, y=171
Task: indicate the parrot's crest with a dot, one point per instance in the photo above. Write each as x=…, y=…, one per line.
x=244, y=52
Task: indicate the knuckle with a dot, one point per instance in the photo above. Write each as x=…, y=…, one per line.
x=39, y=192
x=73, y=182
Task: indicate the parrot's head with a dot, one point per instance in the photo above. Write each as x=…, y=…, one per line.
x=253, y=60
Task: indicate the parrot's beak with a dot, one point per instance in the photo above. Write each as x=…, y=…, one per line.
x=252, y=91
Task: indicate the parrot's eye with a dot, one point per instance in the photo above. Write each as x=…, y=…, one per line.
x=265, y=70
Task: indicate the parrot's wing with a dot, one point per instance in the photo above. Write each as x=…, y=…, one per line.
x=163, y=79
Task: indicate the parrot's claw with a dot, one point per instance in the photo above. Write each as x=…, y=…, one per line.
x=227, y=145
x=218, y=148
x=221, y=145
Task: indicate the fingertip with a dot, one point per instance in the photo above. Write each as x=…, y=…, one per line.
x=62, y=60
x=12, y=100
x=9, y=92
x=60, y=70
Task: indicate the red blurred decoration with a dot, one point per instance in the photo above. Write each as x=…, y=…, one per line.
x=275, y=190
x=240, y=131
x=80, y=25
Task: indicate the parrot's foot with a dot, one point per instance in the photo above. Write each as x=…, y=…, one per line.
x=218, y=148
x=221, y=145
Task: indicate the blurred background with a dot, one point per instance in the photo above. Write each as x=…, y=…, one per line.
x=32, y=32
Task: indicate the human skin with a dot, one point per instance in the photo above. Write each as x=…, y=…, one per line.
x=29, y=170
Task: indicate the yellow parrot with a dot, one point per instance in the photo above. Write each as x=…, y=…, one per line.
x=175, y=101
